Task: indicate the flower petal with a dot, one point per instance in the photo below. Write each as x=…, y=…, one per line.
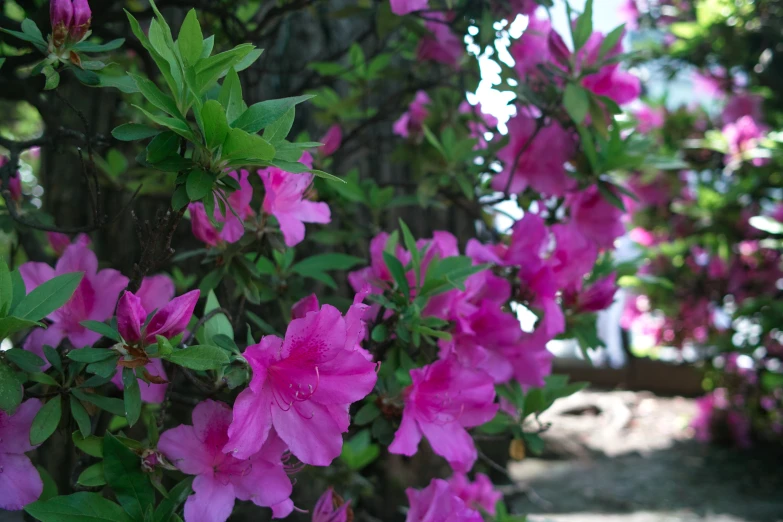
x=20, y=482
x=211, y=501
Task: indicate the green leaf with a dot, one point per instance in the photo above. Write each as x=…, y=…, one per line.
x=122, y=469
x=584, y=26
x=260, y=115
x=230, y=96
x=80, y=415
x=133, y=132
x=91, y=445
x=410, y=245
x=49, y=485
x=326, y=175
x=79, y=507
x=46, y=421
x=6, y=288
x=279, y=129
x=168, y=506
x=210, y=69
x=109, y=404
x=19, y=288
x=200, y=357
x=42, y=378
x=398, y=273
x=162, y=146
x=358, y=451
x=240, y=145
x=199, y=184
x=191, y=39
x=53, y=357
x=91, y=355
x=610, y=41
x=11, y=324
x=88, y=47
x=27, y=361
x=576, y=101
x=103, y=329
x=324, y=262
x=366, y=414
x=216, y=325
x=48, y=297
x=10, y=388
x=157, y=97
x=92, y=477
x=181, y=127
x=607, y=191
x=132, y=396
x=215, y=123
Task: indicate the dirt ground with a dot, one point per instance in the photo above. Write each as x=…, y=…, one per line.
x=630, y=457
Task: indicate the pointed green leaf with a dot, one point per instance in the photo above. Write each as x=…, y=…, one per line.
x=215, y=123
x=122, y=469
x=48, y=297
x=79, y=507
x=260, y=115
x=200, y=357
x=46, y=421
x=191, y=39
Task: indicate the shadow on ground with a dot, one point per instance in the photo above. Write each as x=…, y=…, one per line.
x=628, y=457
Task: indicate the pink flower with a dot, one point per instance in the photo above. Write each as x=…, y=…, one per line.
x=94, y=298
x=169, y=321
x=331, y=140
x=82, y=17
x=303, y=386
x=482, y=123
x=59, y=242
x=61, y=15
x=573, y=257
x=535, y=159
x=441, y=45
x=438, y=503
x=285, y=199
x=532, y=48
x=221, y=478
x=648, y=118
x=444, y=399
x=411, y=122
x=481, y=494
x=233, y=220
x=702, y=422
x=610, y=81
x=14, y=182
x=629, y=13
x=403, y=7
x=20, y=482
x=304, y=306
x=599, y=296
x=743, y=136
x=642, y=236
x=155, y=295
x=325, y=510
x=743, y=105
x=595, y=217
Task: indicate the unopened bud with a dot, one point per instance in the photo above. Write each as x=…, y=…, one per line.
x=558, y=49
x=61, y=14
x=82, y=17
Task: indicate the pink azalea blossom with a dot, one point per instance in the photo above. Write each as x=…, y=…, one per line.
x=532, y=48
x=642, y=236
x=154, y=295
x=169, y=321
x=233, y=220
x=573, y=257
x=410, y=123
x=595, y=217
x=442, y=44
x=611, y=81
x=629, y=13
x=480, y=494
x=649, y=118
x=325, y=510
x=285, y=199
x=221, y=478
x=481, y=124
x=403, y=7
x=94, y=298
x=444, y=399
x=598, y=296
x=744, y=136
x=331, y=140
x=14, y=182
x=743, y=105
x=304, y=306
x=20, y=482
x=438, y=503
x=303, y=386
x=59, y=242
x=536, y=158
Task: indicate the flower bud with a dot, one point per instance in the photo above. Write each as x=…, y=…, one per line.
x=558, y=49
x=82, y=16
x=61, y=14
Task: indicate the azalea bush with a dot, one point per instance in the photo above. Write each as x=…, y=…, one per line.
x=711, y=233
x=321, y=317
